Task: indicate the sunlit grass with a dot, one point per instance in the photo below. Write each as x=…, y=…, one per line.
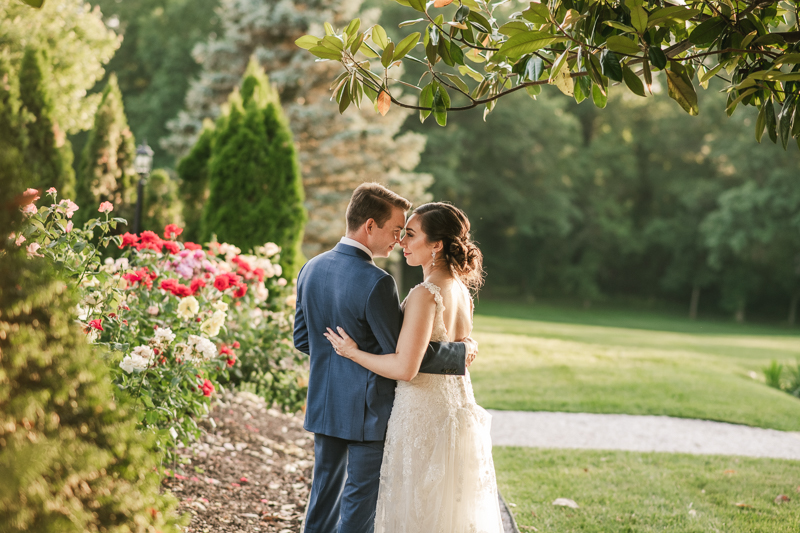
x=649, y=364
x=647, y=492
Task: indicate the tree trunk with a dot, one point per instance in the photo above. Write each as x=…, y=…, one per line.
x=694, y=303
x=740, y=313
x=793, y=308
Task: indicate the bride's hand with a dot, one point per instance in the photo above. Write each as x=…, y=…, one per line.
x=342, y=343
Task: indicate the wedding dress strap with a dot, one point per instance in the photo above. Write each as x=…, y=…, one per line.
x=435, y=290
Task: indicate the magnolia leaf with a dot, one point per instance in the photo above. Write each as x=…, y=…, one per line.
x=632, y=81
x=344, y=97
x=379, y=36
x=599, y=96
x=620, y=26
x=307, y=42
x=681, y=90
x=325, y=53
x=426, y=101
x=533, y=90
x=461, y=14
x=525, y=43
x=353, y=27
x=34, y=3
x=657, y=57
x=329, y=29
x=557, y=66
x=785, y=119
x=333, y=43
x=439, y=106
x=710, y=74
x=639, y=18
x=534, y=68
x=406, y=45
x=466, y=70
x=707, y=32
x=367, y=51
x=537, y=13
x=388, y=55
x=761, y=123
x=564, y=82
x=770, y=121
x=731, y=106
x=442, y=3
x=419, y=5
x=623, y=45
x=512, y=28
x=671, y=15
x=749, y=39
x=410, y=22
x=475, y=56
x=458, y=82
x=570, y=18
x=383, y=103
x=611, y=67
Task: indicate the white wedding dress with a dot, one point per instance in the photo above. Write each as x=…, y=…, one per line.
x=437, y=474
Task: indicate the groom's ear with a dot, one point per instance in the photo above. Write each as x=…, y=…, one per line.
x=370, y=225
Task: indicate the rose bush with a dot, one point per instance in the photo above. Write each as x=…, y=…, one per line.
x=176, y=320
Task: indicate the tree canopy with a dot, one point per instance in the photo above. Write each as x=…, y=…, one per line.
x=476, y=53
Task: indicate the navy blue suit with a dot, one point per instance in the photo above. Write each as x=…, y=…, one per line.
x=348, y=406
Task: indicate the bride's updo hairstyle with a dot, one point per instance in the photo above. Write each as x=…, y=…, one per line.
x=445, y=222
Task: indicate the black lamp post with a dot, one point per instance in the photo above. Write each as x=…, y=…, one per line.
x=142, y=165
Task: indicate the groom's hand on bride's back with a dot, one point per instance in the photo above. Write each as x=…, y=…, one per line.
x=472, y=349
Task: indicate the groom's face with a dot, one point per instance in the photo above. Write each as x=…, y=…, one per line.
x=382, y=240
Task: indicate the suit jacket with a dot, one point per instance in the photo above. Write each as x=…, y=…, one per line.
x=342, y=287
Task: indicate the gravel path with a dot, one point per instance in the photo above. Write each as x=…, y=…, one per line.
x=640, y=433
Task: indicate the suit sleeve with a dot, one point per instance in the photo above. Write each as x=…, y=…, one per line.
x=383, y=314
x=300, y=326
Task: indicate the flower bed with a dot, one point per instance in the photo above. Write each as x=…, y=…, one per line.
x=176, y=321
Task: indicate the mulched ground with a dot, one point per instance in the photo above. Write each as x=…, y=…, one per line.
x=250, y=473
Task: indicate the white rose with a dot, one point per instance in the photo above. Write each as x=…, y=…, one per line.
x=261, y=292
x=220, y=306
x=212, y=326
x=204, y=347
x=277, y=269
x=164, y=335
x=143, y=352
x=188, y=307
x=282, y=282
x=127, y=364
x=152, y=310
x=271, y=249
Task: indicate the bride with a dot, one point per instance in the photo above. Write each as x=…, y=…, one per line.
x=437, y=473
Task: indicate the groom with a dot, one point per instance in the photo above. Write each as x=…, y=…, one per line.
x=348, y=406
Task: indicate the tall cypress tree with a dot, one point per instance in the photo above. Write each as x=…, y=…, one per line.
x=12, y=135
x=71, y=458
x=256, y=192
x=48, y=153
x=193, y=173
x=106, y=169
x=161, y=204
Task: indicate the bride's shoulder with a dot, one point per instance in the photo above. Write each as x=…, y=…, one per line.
x=424, y=293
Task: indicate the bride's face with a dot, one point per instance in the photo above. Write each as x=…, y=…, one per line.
x=416, y=248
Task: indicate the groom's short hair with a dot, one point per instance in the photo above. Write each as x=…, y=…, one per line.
x=373, y=201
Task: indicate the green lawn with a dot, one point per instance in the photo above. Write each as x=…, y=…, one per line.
x=647, y=492
x=557, y=359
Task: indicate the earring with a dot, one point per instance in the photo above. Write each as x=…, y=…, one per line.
x=433, y=254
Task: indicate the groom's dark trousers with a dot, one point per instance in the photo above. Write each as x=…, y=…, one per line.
x=348, y=406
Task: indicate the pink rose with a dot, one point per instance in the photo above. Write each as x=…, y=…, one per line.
x=20, y=240
x=33, y=250
x=70, y=206
x=106, y=207
x=69, y=226
x=51, y=190
x=30, y=209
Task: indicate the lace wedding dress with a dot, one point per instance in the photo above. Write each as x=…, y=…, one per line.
x=437, y=474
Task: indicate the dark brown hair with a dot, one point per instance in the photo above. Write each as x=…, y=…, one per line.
x=445, y=222
x=373, y=201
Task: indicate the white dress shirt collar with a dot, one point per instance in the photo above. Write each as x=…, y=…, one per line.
x=354, y=243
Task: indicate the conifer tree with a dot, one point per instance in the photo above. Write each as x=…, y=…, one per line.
x=162, y=204
x=336, y=152
x=12, y=135
x=71, y=458
x=193, y=173
x=106, y=169
x=255, y=189
x=48, y=153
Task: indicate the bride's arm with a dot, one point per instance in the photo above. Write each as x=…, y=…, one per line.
x=415, y=335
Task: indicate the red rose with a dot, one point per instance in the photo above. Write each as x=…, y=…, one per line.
x=96, y=324
x=169, y=284
x=172, y=229
x=196, y=285
x=240, y=291
x=172, y=247
x=207, y=387
x=231, y=361
x=235, y=344
x=182, y=291
x=221, y=282
x=150, y=241
x=192, y=246
x=259, y=272
x=129, y=239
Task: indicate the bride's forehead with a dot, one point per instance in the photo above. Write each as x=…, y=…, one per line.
x=413, y=222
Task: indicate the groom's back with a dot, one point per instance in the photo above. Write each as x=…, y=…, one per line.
x=344, y=399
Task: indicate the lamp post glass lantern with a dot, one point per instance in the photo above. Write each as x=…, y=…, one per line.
x=142, y=164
